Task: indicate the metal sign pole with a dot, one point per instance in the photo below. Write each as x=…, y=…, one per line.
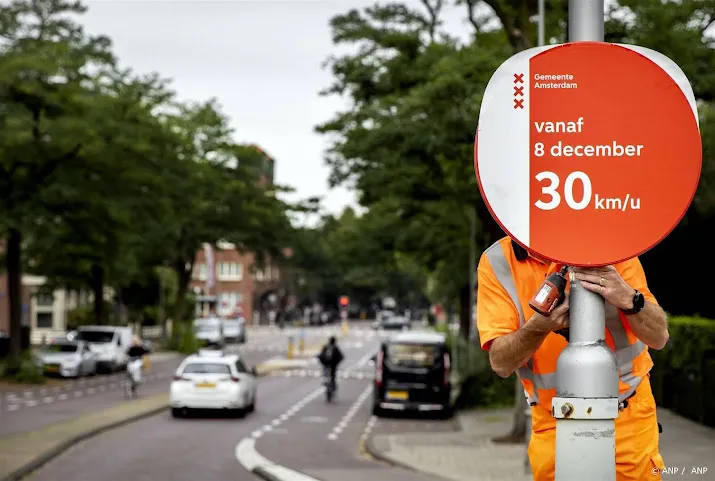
x=586, y=402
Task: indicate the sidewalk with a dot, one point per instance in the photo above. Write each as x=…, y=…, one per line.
x=469, y=454
x=22, y=453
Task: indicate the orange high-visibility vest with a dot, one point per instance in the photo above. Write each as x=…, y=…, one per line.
x=505, y=277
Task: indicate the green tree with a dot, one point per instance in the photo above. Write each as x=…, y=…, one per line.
x=45, y=59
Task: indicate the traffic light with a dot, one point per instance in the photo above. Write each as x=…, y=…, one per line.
x=344, y=301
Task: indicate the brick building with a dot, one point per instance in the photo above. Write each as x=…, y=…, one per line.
x=238, y=282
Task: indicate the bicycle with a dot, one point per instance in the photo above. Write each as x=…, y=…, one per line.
x=329, y=384
x=131, y=382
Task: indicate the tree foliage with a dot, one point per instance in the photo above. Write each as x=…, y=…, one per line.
x=107, y=176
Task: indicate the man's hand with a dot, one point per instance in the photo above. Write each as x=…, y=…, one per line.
x=607, y=282
x=557, y=320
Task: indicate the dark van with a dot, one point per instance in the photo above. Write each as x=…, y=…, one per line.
x=412, y=373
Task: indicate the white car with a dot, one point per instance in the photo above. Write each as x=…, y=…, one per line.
x=68, y=359
x=212, y=380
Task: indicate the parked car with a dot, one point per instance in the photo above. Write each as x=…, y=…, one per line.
x=412, y=373
x=234, y=330
x=67, y=359
x=396, y=323
x=108, y=343
x=213, y=380
x=209, y=331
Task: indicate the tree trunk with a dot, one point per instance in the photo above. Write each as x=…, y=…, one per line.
x=184, y=278
x=97, y=286
x=14, y=288
x=517, y=435
x=465, y=321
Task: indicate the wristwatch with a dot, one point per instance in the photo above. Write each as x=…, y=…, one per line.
x=638, y=304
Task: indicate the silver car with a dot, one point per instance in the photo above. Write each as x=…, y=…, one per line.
x=68, y=359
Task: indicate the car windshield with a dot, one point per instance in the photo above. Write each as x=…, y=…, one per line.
x=412, y=355
x=207, y=368
x=61, y=348
x=207, y=328
x=97, y=337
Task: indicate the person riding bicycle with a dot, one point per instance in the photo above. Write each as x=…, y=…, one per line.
x=135, y=355
x=330, y=357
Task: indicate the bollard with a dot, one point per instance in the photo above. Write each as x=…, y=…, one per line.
x=586, y=402
x=301, y=342
x=290, y=348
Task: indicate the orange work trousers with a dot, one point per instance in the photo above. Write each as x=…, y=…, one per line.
x=637, y=456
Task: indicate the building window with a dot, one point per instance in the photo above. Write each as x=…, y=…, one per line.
x=44, y=299
x=230, y=271
x=44, y=320
x=229, y=302
x=200, y=272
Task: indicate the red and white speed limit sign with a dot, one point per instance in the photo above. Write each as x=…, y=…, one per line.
x=588, y=153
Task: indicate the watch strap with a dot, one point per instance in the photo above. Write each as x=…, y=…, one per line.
x=638, y=303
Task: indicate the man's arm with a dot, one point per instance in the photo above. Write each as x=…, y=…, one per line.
x=511, y=351
x=650, y=325
x=510, y=346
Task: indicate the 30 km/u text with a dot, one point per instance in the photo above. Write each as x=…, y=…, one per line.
x=551, y=191
x=562, y=149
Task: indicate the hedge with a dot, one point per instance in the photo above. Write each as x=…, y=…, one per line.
x=683, y=377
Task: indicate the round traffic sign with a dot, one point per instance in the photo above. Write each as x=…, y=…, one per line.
x=588, y=153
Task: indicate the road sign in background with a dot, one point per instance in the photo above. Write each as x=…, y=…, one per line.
x=344, y=301
x=588, y=153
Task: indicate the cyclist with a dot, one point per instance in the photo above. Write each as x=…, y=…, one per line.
x=135, y=355
x=330, y=357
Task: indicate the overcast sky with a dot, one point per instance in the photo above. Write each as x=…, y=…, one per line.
x=261, y=59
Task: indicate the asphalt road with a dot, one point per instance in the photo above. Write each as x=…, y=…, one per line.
x=292, y=426
x=33, y=408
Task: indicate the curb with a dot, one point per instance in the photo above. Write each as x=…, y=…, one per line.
x=385, y=458
x=56, y=451
x=263, y=474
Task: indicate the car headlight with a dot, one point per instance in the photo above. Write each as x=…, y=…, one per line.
x=71, y=364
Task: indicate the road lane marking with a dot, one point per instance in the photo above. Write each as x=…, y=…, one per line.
x=364, y=360
x=368, y=428
x=268, y=427
x=248, y=457
x=337, y=430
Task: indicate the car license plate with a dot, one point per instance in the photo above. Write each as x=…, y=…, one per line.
x=397, y=395
x=205, y=385
x=52, y=368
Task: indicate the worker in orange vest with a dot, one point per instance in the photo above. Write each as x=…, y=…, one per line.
x=520, y=340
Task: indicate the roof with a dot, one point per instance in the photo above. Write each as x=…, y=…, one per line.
x=207, y=355
x=419, y=337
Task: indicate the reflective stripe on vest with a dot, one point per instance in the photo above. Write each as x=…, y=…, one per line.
x=625, y=352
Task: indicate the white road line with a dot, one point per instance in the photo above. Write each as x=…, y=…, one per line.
x=368, y=428
x=337, y=430
x=268, y=427
x=250, y=459
x=13, y=407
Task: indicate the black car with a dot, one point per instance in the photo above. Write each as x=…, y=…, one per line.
x=412, y=373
